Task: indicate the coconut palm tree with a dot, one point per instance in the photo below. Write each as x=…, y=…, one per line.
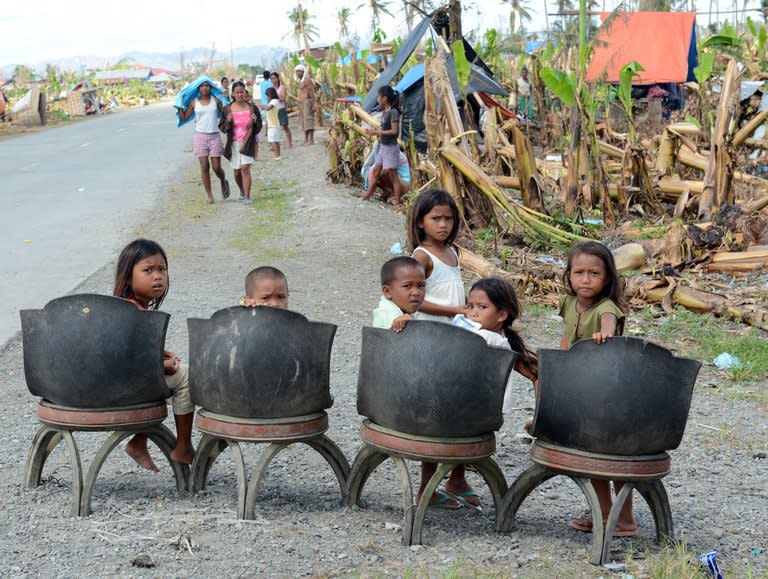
x=343, y=16
x=303, y=29
x=378, y=7
x=518, y=12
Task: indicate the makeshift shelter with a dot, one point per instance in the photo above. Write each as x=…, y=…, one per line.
x=663, y=43
x=411, y=85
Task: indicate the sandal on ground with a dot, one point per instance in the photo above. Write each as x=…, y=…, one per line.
x=441, y=500
x=624, y=531
x=248, y=202
x=242, y=197
x=582, y=523
x=465, y=499
x=225, y=190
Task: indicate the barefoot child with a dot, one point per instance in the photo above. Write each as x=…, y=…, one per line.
x=266, y=286
x=594, y=309
x=141, y=277
x=402, y=283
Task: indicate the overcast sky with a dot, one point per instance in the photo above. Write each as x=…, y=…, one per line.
x=32, y=33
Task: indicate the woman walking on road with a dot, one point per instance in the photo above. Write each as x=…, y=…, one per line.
x=241, y=122
x=202, y=100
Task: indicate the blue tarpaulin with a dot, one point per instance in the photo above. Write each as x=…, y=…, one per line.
x=192, y=91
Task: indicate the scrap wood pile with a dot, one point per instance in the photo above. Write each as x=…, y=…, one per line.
x=689, y=228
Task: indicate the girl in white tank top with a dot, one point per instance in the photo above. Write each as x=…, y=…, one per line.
x=434, y=224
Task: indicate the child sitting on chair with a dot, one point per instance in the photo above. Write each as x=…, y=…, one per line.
x=266, y=286
x=403, y=283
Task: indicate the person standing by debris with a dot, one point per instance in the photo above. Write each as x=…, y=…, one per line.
x=282, y=112
x=203, y=101
x=306, y=104
x=524, y=102
x=389, y=153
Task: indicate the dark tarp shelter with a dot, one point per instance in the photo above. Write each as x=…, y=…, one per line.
x=411, y=85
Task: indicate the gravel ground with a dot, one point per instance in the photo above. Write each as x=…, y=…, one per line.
x=331, y=245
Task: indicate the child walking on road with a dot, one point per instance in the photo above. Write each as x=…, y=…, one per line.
x=141, y=277
x=273, y=121
x=594, y=309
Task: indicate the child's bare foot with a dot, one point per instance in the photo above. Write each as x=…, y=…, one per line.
x=183, y=454
x=528, y=426
x=137, y=450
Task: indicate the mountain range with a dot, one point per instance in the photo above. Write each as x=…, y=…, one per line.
x=261, y=55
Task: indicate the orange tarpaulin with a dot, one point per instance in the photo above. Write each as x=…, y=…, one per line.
x=659, y=41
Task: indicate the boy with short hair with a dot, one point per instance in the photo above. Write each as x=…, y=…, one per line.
x=403, y=284
x=266, y=286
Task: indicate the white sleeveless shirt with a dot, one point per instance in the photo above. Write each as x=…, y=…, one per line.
x=444, y=286
x=206, y=117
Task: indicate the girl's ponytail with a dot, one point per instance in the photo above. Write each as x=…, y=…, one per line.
x=526, y=358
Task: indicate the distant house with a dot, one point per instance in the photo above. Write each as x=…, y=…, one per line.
x=123, y=77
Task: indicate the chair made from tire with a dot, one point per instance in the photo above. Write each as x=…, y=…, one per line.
x=97, y=364
x=260, y=375
x=608, y=411
x=431, y=393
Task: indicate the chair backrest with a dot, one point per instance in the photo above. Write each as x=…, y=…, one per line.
x=432, y=379
x=94, y=351
x=260, y=363
x=626, y=397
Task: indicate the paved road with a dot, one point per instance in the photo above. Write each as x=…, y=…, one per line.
x=72, y=196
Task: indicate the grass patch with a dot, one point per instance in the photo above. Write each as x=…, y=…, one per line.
x=704, y=337
x=270, y=211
